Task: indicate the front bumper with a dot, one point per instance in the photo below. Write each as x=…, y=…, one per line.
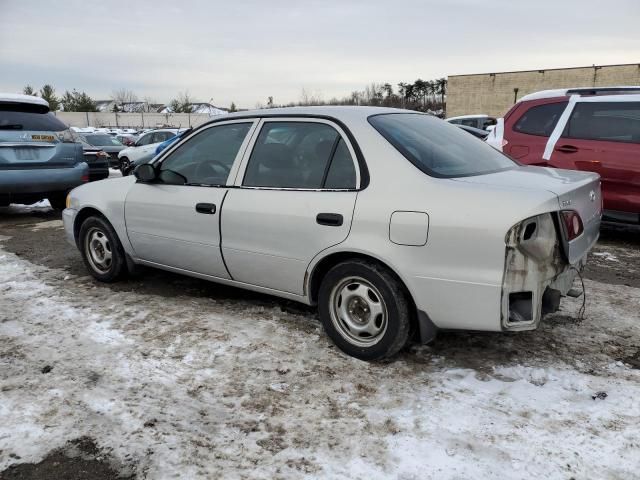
x=68, y=219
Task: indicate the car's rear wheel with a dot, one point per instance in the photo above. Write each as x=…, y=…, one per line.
x=365, y=309
x=57, y=201
x=101, y=250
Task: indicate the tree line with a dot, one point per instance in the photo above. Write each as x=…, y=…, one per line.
x=421, y=95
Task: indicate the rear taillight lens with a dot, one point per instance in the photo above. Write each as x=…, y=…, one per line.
x=573, y=223
x=85, y=178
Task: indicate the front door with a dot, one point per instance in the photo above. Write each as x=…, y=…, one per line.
x=176, y=222
x=294, y=197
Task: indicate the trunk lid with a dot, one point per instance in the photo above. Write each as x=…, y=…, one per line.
x=579, y=191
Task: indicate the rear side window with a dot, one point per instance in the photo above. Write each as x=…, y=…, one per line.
x=540, y=120
x=437, y=148
x=15, y=120
x=304, y=155
x=605, y=121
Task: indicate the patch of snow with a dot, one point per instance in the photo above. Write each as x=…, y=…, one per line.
x=200, y=388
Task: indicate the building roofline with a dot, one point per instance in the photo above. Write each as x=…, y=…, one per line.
x=542, y=70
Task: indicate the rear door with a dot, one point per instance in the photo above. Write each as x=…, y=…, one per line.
x=528, y=126
x=294, y=197
x=604, y=137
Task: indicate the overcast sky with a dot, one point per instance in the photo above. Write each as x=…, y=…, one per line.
x=244, y=51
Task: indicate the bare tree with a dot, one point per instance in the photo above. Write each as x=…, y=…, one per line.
x=148, y=104
x=123, y=97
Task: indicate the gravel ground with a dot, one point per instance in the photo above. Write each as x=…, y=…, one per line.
x=163, y=376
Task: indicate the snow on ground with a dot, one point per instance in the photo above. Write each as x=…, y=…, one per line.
x=200, y=388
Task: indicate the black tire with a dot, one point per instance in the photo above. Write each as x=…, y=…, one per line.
x=95, y=231
x=375, y=280
x=58, y=201
x=125, y=166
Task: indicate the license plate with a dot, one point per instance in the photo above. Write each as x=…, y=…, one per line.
x=42, y=138
x=27, y=153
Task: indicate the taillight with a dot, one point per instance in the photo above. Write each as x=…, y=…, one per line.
x=85, y=178
x=573, y=223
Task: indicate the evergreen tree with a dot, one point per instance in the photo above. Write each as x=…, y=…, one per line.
x=48, y=93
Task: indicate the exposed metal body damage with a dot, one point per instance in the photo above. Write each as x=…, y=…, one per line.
x=536, y=273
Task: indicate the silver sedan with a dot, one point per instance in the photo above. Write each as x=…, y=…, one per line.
x=395, y=223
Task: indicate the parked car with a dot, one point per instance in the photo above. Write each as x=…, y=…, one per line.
x=589, y=129
x=144, y=148
x=97, y=159
x=127, y=139
x=391, y=221
x=128, y=169
x=106, y=143
x=480, y=121
x=38, y=156
x=476, y=132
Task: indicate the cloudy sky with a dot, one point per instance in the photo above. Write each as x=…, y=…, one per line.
x=245, y=51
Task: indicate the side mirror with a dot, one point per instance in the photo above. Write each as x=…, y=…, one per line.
x=145, y=172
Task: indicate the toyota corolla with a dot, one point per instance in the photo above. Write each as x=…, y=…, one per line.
x=394, y=223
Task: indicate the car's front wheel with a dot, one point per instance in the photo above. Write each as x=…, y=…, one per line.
x=365, y=309
x=101, y=250
x=125, y=166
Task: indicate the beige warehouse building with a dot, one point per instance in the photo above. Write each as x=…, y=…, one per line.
x=495, y=93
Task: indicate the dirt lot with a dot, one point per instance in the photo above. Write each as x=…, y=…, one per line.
x=164, y=376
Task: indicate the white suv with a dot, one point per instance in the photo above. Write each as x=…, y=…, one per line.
x=145, y=147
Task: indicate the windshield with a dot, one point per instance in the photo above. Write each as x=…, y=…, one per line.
x=102, y=140
x=438, y=148
x=16, y=120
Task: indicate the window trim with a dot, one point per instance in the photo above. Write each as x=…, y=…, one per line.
x=303, y=119
x=157, y=162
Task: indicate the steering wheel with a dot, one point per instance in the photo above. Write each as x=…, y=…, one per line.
x=206, y=169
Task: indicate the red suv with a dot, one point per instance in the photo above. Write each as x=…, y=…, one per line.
x=592, y=129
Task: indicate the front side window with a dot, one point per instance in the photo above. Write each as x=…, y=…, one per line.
x=303, y=155
x=145, y=140
x=540, y=120
x=437, y=148
x=207, y=157
x=605, y=121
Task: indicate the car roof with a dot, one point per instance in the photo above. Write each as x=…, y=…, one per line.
x=20, y=98
x=565, y=92
x=339, y=112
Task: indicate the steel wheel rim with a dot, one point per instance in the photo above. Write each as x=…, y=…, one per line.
x=98, y=250
x=358, y=311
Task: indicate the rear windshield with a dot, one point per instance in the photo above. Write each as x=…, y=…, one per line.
x=102, y=140
x=12, y=120
x=438, y=148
